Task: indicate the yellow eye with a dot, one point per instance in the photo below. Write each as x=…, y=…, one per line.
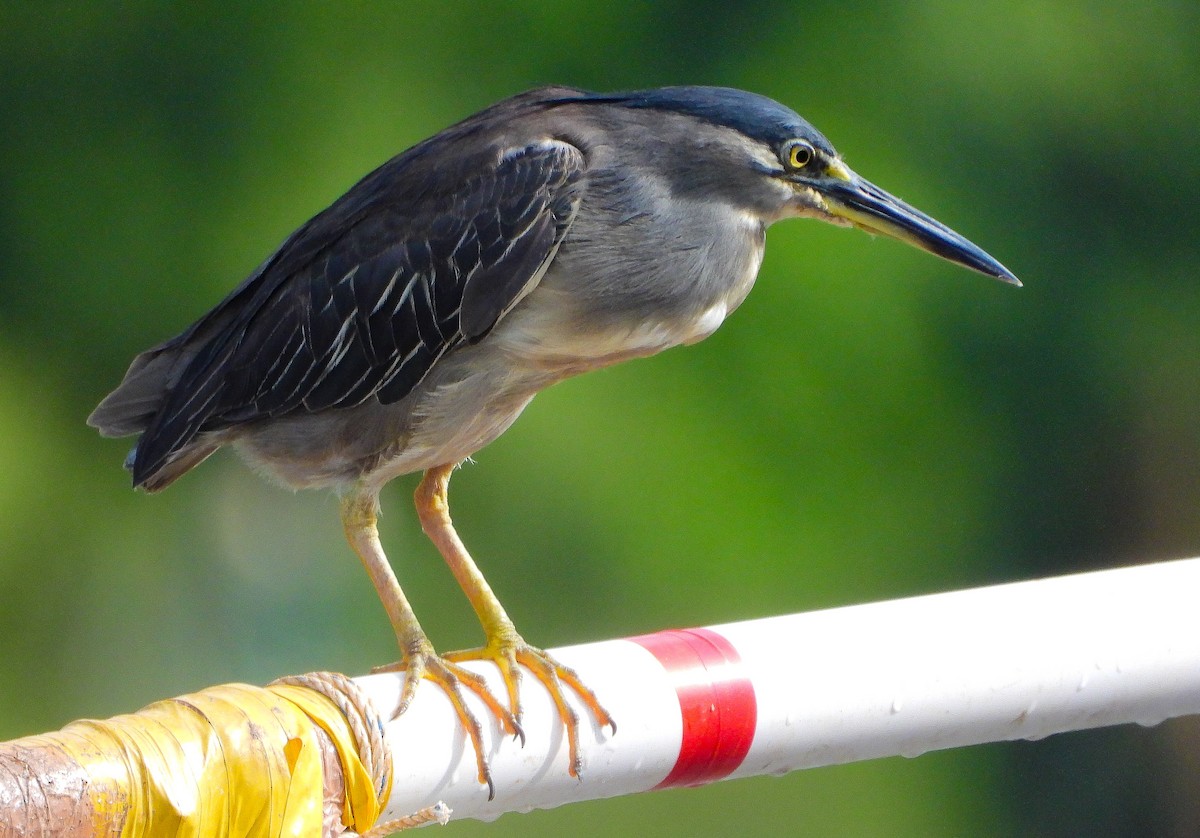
x=799, y=154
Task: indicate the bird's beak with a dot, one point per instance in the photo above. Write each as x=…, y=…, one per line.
x=850, y=198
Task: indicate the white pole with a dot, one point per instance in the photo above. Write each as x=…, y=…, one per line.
x=770, y=696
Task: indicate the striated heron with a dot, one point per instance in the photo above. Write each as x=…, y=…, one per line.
x=406, y=326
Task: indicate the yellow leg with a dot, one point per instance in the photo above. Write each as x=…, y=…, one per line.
x=503, y=646
x=359, y=514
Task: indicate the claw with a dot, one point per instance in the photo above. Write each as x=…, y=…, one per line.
x=513, y=653
x=452, y=679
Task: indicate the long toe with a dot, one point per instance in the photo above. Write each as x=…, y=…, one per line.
x=455, y=682
x=511, y=656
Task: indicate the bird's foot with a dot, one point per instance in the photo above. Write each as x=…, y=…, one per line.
x=510, y=653
x=421, y=662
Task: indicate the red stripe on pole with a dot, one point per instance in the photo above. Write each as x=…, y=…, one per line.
x=716, y=701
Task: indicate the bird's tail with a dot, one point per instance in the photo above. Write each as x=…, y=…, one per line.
x=132, y=409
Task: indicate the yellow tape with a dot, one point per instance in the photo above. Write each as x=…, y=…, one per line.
x=364, y=803
x=230, y=760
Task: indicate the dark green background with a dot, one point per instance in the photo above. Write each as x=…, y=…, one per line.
x=872, y=423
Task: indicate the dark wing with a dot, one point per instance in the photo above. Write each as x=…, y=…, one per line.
x=341, y=314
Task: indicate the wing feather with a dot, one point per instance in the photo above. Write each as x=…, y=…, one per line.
x=344, y=313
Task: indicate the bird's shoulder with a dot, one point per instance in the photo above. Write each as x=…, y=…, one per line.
x=454, y=245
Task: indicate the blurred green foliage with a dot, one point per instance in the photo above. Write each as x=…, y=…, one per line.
x=872, y=423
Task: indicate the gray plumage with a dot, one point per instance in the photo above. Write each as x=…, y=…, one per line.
x=352, y=348
x=407, y=326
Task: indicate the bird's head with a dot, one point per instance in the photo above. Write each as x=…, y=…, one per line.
x=795, y=172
